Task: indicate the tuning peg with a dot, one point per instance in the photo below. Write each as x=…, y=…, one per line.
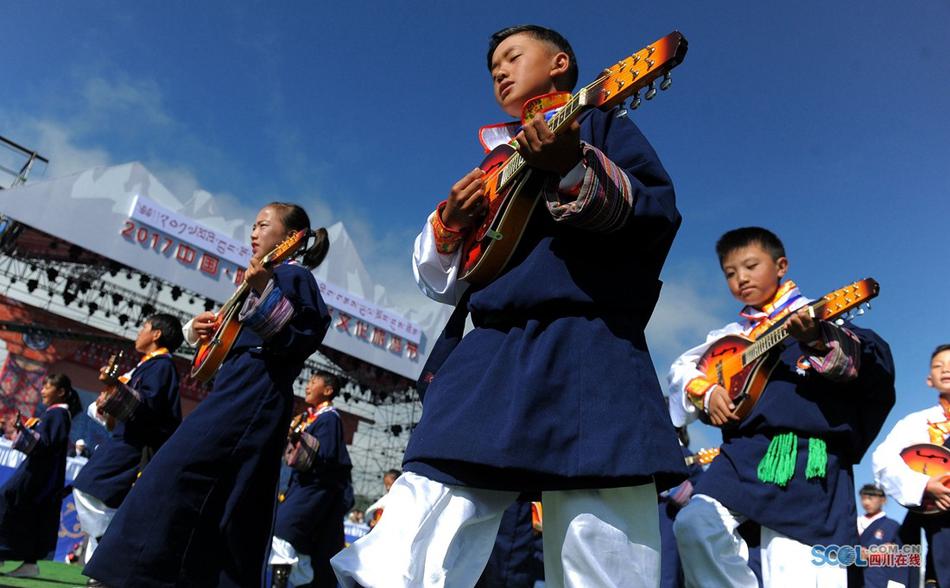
x=622, y=113
x=667, y=82
x=651, y=92
x=860, y=310
x=867, y=305
x=839, y=322
x=635, y=101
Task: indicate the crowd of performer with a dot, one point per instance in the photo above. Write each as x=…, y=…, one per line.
x=549, y=404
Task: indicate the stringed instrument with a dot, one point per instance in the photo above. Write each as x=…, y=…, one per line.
x=26, y=437
x=212, y=354
x=512, y=190
x=743, y=366
x=931, y=460
x=116, y=401
x=702, y=457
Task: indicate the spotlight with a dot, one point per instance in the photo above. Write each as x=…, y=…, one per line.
x=191, y=300
x=347, y=396
x=74, y=252
x=123, y=318
x=176, y=292
x=31, y=284
x=147, y=310
x=93, y=307
x=51, y=274
x=68, y=297
x=128, y=275
x=12, y=281
x=114, y=268
x=144, y=280
x=209, y=304
x=116, y=299
x=396, y=429
x=84, y=286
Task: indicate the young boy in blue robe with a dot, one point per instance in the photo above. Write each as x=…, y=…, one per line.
x=554, y=391
x=875, y=528
x=107, y=478
x=202, y=513
x=308, y=530
x=788, y=465
x=32, y=498
x=911, y=488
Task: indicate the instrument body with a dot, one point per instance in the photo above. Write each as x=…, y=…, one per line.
x=513, y=189
x=211, y=355
x=117, y=401
x=743, y=366
x=931, y=460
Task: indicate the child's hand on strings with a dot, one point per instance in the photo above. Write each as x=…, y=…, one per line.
x=940, y=493
x=803, y=326
x=466, y=203
x=544, y=150
x=721, y=409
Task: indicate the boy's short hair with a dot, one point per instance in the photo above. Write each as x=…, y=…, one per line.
x=541, y=34
x=331, y=381
x=745, y=236
x=393, y=473
x=871, y=490
x=171, y=337
x=940, y=349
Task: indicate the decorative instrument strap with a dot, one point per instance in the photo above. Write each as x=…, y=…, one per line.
x=940, y=431
x=491, y=136
x=124, y=378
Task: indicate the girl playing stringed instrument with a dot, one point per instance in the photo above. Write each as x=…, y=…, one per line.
x=202, y=513
x=31, y=500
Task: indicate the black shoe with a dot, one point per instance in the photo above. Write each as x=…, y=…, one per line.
x=96, y=583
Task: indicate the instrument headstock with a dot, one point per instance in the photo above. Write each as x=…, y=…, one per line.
x=640, y=70
x=849, y=301
x=286, y=248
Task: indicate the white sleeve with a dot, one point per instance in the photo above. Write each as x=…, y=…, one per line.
x=683, y=371
x=189, y=332
x=92, y=411
x=897, y=479
x=436, y=273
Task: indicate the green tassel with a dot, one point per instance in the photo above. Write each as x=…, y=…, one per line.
x=817, y=459
x=778, y=465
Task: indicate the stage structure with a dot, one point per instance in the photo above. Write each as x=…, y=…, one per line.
x=85, y=258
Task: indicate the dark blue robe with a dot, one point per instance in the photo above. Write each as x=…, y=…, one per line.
x=31, y=499
x=554, y=388
x=113, y=468
x=881, y=532
x=847, y=416
x=202, y=513
x=311, y=516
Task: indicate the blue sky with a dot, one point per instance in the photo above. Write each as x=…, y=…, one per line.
x=825, y=121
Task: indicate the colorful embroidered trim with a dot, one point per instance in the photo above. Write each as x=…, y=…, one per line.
x=603, y=202
x=447, y=240
x=696, y=390
x=266, y=315
x=843, y=359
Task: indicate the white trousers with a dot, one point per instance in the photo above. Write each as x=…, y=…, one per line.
x=435, y=535
x=283, y=553
x=94, y=518
x=714, y=555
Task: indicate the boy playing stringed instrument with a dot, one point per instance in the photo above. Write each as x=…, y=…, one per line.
x=787, y=464
x=554, y=391
x=910, y=487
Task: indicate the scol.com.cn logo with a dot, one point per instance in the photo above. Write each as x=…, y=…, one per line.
x=876, y=556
